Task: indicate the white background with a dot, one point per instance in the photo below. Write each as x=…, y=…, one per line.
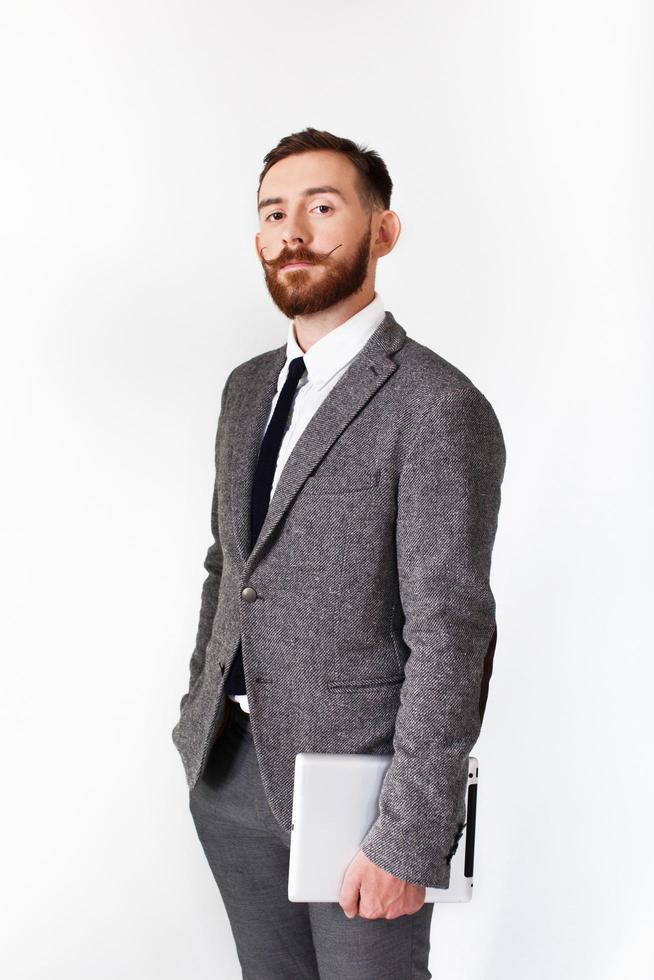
x=519, y=137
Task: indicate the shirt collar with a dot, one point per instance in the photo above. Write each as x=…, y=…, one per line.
x=333, y=351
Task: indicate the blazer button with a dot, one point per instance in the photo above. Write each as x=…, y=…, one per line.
x=249, y=594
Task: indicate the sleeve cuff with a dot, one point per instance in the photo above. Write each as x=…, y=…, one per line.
x=394, y=851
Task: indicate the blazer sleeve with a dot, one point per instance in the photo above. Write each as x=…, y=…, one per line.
x=447, y=513
x=213, y=565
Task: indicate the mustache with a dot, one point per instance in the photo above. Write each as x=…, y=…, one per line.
x=299, y=255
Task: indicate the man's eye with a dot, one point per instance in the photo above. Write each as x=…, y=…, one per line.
x=273, y=213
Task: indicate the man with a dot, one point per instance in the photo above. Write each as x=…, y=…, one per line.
x=347, y=606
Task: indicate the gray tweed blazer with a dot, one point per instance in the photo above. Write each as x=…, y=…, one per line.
x=364, y=611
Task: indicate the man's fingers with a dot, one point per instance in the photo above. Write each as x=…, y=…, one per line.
x=349, y=896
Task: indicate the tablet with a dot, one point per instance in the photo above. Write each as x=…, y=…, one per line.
x=335, y=802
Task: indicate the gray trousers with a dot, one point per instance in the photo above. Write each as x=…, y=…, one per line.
x=248, y=853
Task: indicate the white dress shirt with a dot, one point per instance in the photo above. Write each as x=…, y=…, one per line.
x=325, y=362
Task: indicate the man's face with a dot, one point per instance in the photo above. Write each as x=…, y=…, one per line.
x=327, y=231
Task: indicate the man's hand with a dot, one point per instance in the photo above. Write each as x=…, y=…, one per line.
x=373, y=893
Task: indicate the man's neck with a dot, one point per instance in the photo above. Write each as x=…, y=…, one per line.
x=310, y=327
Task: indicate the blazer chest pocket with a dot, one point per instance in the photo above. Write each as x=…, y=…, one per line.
x=342, y=482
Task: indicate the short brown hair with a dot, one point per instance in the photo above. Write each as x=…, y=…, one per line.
x=374, y=184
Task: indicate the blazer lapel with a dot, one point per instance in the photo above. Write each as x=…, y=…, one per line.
x=368, y=371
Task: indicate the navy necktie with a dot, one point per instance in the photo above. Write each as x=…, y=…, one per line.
x=262, y=485
x=269, y=451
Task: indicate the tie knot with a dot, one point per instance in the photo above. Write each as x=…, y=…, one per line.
x=296, y=369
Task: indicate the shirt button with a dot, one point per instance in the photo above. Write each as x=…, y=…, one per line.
x=249, y=594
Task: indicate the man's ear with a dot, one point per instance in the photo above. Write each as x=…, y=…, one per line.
x=388, y=233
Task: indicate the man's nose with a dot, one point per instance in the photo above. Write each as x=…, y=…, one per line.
x=295, y=231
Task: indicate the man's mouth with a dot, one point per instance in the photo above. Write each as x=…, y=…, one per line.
x=296, y=265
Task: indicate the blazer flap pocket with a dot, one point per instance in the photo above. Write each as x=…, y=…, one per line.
x=367, y=682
